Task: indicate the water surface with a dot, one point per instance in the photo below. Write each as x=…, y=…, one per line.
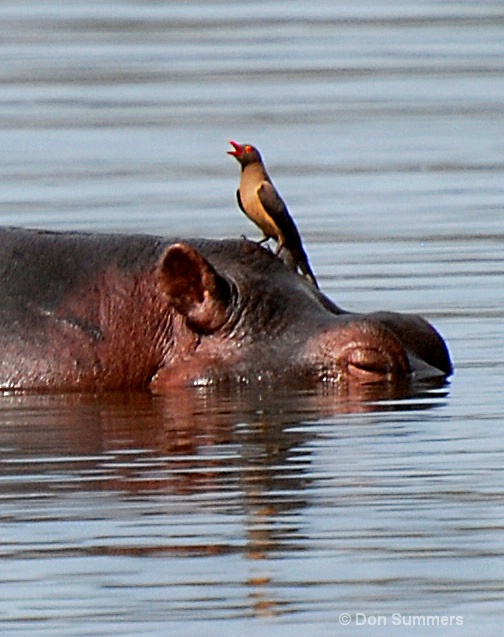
x=260, y=511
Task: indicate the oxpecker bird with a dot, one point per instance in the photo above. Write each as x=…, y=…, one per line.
x=260, y=201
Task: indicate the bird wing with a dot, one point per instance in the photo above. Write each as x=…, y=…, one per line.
x=238, y=199
x=277, y=210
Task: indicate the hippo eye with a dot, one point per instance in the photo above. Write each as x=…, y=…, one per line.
x=248, y=149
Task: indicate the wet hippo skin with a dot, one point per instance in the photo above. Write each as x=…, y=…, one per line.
x=109, y=311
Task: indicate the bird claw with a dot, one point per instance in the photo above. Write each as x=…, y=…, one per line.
x=268, y=247
x=259, y=243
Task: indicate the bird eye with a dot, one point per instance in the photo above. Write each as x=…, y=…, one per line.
x=248, y=149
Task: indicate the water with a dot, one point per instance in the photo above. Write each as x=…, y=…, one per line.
x=264, y=511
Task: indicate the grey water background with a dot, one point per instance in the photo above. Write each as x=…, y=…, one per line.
x=265, y=512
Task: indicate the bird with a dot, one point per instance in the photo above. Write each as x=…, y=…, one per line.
x=261, y=202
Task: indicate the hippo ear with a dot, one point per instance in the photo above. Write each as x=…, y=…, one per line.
x=194, y=288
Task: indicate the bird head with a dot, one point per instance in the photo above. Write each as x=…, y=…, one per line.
x=245, y=154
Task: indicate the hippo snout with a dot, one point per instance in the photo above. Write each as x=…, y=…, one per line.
x=360, y=350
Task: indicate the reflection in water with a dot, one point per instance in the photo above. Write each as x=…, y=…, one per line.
x=245, y=443
x=197, y=473
x=151, y=441
x=193, y=514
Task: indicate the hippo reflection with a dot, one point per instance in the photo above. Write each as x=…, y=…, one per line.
x=94, y=312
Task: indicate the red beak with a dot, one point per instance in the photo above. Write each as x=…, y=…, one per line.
x=238, y=150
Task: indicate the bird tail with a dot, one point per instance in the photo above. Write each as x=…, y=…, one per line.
x=298, y=258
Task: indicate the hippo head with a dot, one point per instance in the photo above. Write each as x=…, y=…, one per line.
x=240, y=315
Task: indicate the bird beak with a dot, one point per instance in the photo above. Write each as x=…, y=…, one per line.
x=238, y=150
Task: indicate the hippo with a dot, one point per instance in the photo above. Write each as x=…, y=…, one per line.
x=98, y=312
